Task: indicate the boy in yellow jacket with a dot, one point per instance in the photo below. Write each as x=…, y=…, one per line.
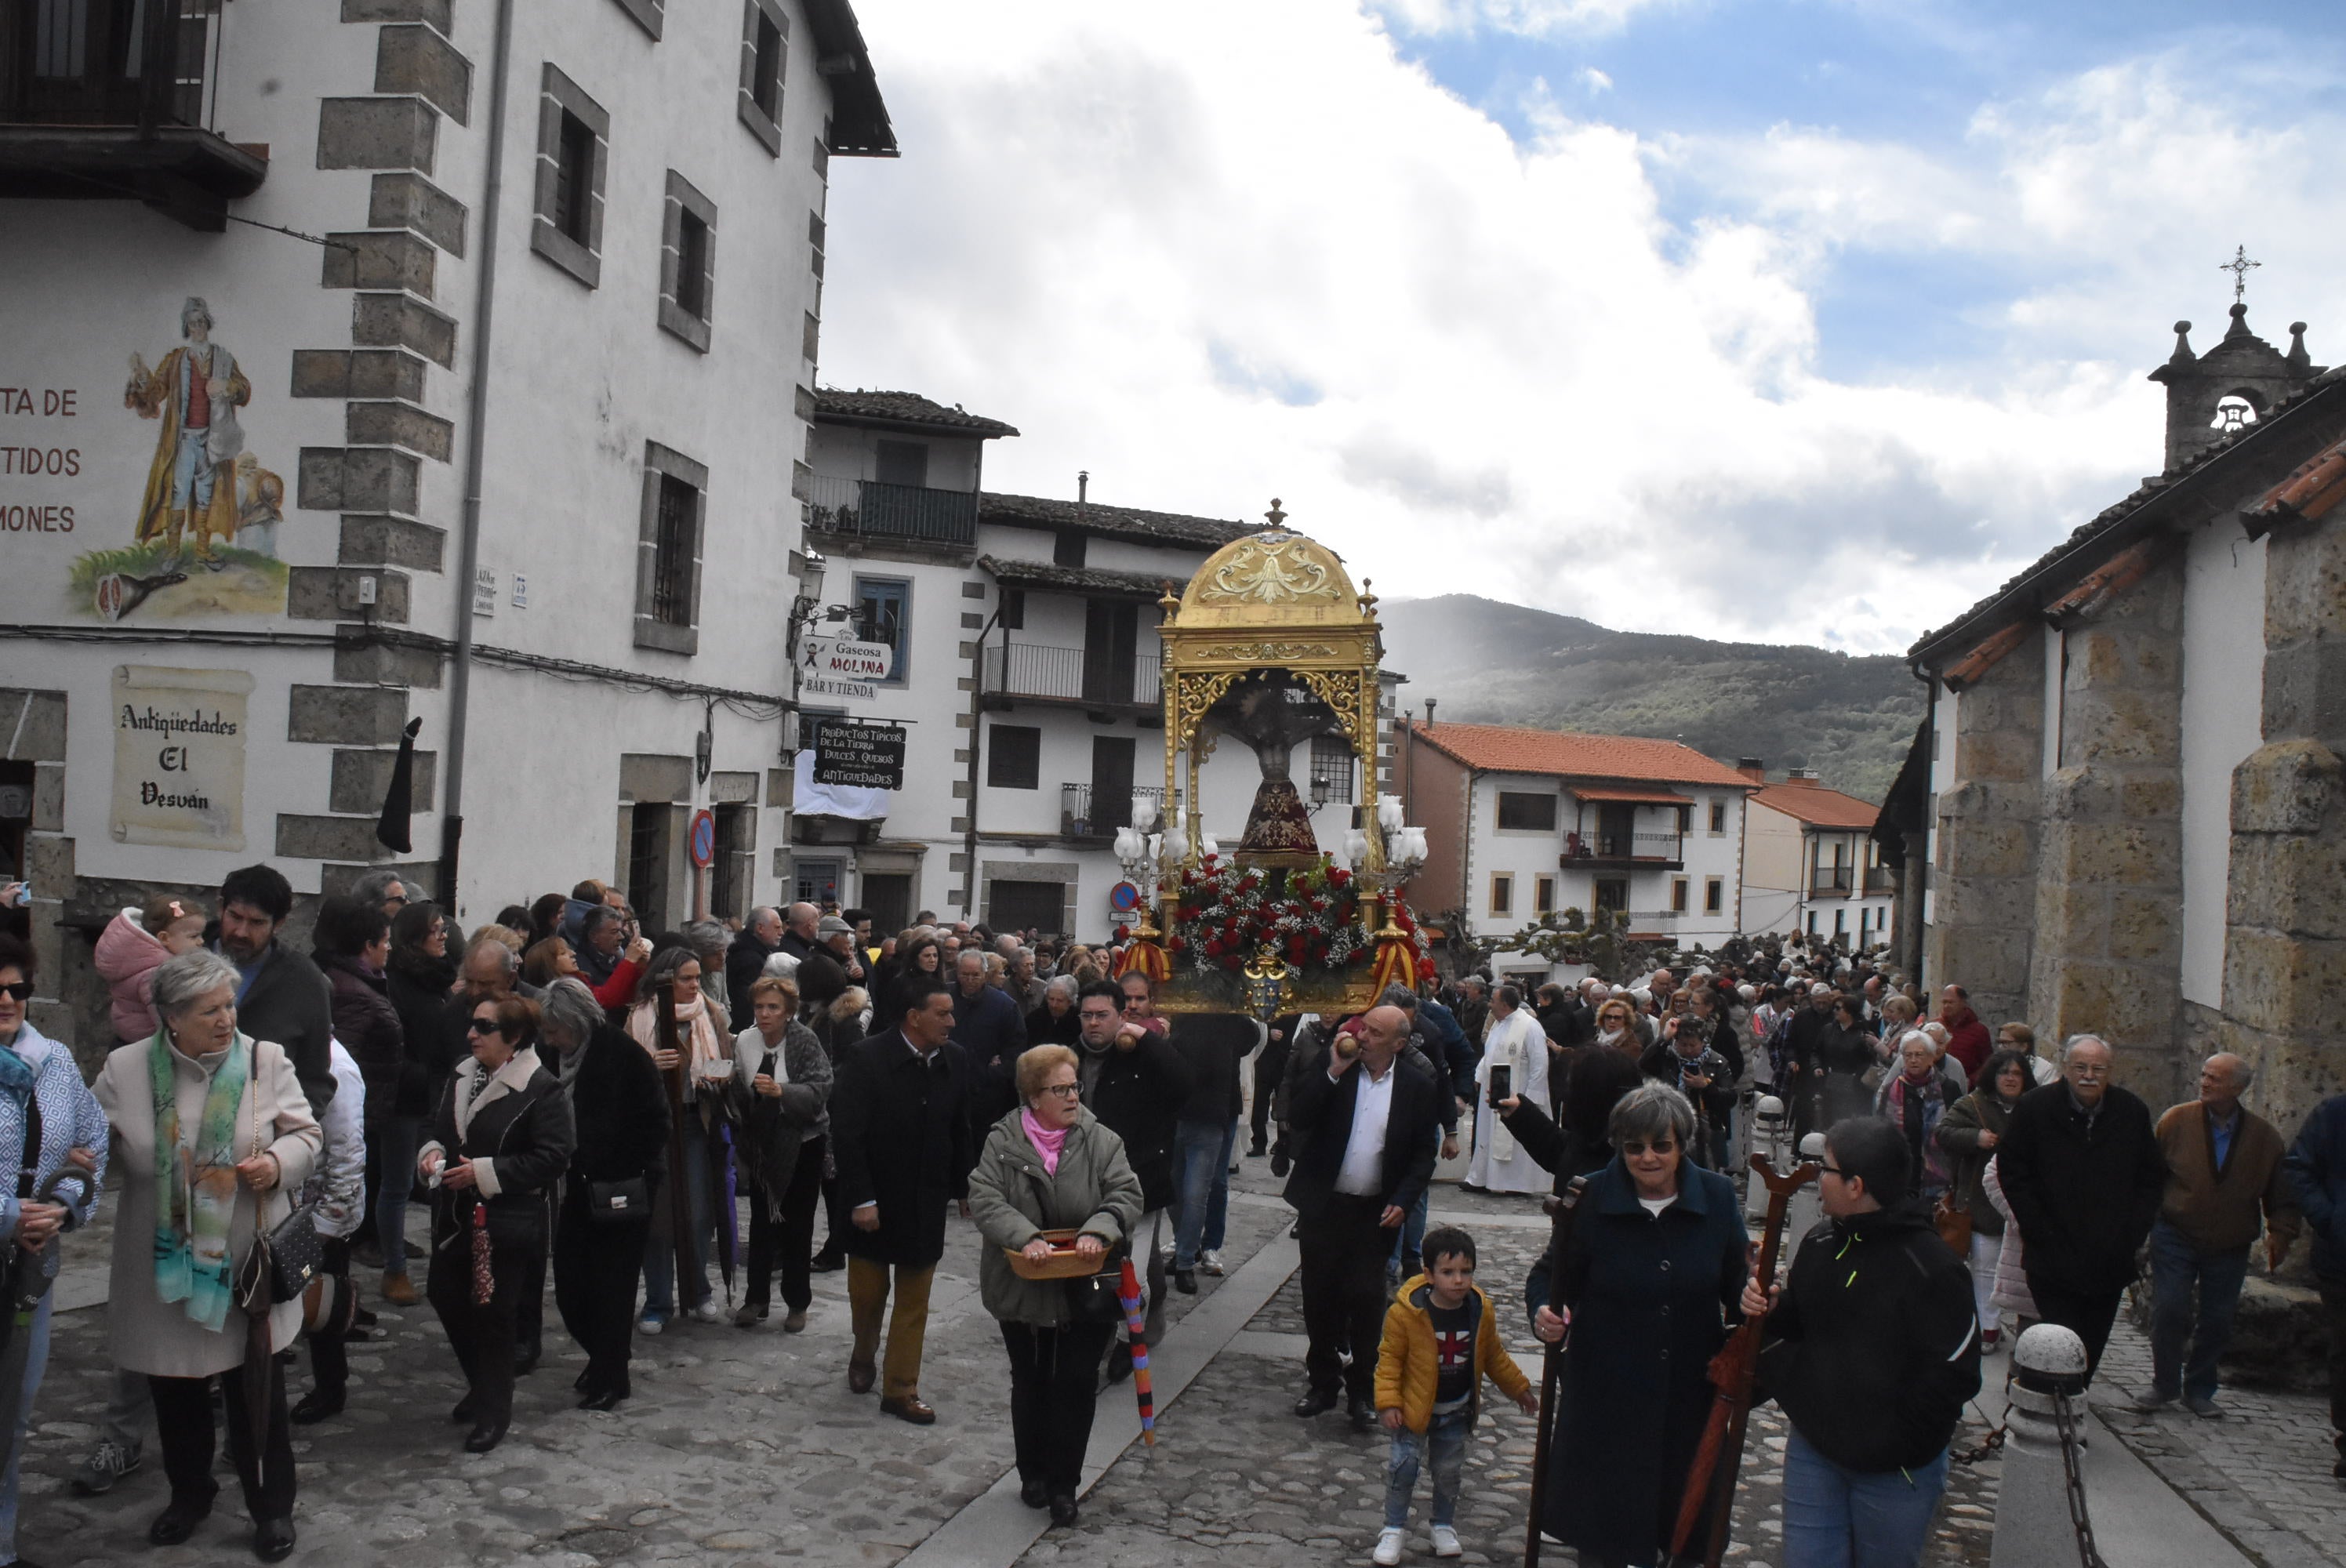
x=1441, y=1340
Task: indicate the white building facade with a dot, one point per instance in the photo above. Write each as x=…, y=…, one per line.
x=532, y=486
x=1810, y=863
x=1025, y=669
x=1523, y=823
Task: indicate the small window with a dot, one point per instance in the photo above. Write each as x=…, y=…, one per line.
x=692, y=265
x=1812, y=923
x=1714, y=896
x=1719, y=816
x=902, y=462
x=672, y=553
x=1014, y=609
x=881, y=604
x=1502, y=893
x=573, y=150
x=765, y=57
x=1543, y=896
x=1677, y=895
x=573, y=179
x=1014, y=759
x=1331, y=771
x=1840, y=922
x=1533, y=813
x=1068, y=549
x=688, y=262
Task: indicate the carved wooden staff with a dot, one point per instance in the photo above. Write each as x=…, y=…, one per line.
x=1732, y=1372
x=1562, y=1212
x=679, y=1192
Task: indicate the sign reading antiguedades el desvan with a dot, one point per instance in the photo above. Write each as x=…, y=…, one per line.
x=178, y=756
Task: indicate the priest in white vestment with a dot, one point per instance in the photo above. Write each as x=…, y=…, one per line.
x=1517, y=1043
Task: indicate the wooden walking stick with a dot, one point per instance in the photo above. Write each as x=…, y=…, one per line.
x=1562, y=1211
x=1732, y=1373
x=679, y=1192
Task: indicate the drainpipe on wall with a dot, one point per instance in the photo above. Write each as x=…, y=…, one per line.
x=976, y=729
x=476, y=416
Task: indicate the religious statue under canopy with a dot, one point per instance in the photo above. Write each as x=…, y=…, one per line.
x=1273, y=714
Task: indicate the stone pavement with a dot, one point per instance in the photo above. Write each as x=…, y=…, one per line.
x=745, y=1446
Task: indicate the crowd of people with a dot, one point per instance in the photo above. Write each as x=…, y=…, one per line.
x=570, y=1094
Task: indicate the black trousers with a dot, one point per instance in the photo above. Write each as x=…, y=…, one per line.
x=1054, y=1384
x=183, y=1423
x=1269, y=1066
x=1344, y=1252
x=330, y=1364
x=596, y=1271
x=529, y=1312
x=483, y=1336
x=2088, y=1314
x=787, y=1237
x=2333, y=1308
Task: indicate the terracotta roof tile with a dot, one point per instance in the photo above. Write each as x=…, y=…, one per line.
x=1819, y=806
x=1501, y=748
x=1111, y=521
x=1077, y=579
x=893, y=408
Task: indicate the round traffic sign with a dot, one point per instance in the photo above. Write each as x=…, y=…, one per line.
x=704, y=838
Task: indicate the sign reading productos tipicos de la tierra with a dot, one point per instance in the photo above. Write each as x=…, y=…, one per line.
x=859, y=756
x=178, y=756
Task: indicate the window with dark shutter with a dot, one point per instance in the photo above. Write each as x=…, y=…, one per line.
x=672, y=553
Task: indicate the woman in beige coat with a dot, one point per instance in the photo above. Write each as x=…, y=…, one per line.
x=245, y=1142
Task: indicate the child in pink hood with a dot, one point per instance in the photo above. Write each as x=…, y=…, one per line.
x=134, y=944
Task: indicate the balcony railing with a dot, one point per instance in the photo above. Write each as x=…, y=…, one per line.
x=1830, y=883
x=1077, y=819
x=1582, y=847
x=119, y=99
x=1072, y=675
x=867, y=509
x=1880, y=879
x=1651, y=920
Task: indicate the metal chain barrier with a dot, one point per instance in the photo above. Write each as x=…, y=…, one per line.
x=2088, y=1554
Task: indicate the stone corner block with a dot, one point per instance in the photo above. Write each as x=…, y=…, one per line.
x=377, y=133
x=346, y=715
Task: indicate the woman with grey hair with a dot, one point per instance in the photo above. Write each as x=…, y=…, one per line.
x=710, y=941
x=1055, y=1022
x=1651, y=1280
x=704, y=1056
x=612, y=1188
x=213, y=1136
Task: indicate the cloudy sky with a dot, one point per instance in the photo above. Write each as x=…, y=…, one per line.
x=1790, y=321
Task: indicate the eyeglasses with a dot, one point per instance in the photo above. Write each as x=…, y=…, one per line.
x=1832, y=1170
x=1635, y=1146
x=482, y=1027
x=1064, y=1091
x=17, y=990
x=2080, y=1070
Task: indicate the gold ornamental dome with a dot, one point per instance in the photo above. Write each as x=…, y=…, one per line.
x=1273, y=579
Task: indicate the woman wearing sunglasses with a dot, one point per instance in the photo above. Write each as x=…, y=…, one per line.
x=1657, y=1263
x=503, y=1137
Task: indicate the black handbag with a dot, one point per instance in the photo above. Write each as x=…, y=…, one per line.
x=617, y=1202
x=1092, y=1298
x=285, y=1257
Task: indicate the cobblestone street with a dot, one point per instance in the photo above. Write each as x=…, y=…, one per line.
x=747, y=1447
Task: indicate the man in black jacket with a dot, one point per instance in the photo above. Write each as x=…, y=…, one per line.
x=900, y=1135
x=2081, y=1167
x=1213, y=1044
x=1371, y=1124
x=1871, y=1347
x=1135, y=1082
x=282, y=996
x=988, y=1027
x=745, y=961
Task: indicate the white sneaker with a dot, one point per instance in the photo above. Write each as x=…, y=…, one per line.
x=707, y=1312
x=1446, y=1541
x=1388, y=1551
x=650, y=1325
x=1210, y=1262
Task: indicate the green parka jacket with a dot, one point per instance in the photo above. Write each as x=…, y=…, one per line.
x=1012, y=1200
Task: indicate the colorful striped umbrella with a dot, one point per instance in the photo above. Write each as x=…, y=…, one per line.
x=1128, y=1292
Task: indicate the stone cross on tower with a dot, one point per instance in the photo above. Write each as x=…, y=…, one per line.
x=2239, y=266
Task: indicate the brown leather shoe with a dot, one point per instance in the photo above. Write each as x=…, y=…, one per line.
x=400, y=1290
x=860, y=1377
x=911, y=1408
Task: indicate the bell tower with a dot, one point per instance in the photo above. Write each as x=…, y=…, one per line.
x=2231, y=386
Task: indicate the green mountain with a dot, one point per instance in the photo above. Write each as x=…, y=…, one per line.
x=1850, y=717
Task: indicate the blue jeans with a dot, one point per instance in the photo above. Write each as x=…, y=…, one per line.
x=1200, y=1151
x=36, y=1361
x=1444, y=1441
x=1218, y=1206
x=659, y=1250
x=399, y=1138
x=1838, y=1518
x=2179, y=1271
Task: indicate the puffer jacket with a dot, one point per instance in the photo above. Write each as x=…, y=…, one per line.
x=1013, y=1201
x=1409, y=1365
x=127, y=958
x=1958, y=1132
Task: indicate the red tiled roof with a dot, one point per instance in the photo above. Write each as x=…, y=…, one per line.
x=1501, y=748
x=1819, y=806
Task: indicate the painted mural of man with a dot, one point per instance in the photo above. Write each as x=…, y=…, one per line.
x=196, y=392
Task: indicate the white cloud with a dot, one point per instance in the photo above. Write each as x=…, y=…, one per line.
x=1528, y=17
x=1595, y=80
x=1233, y=250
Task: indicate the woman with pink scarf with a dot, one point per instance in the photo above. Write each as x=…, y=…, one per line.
x=1914, y=1099
x=1051, y=1164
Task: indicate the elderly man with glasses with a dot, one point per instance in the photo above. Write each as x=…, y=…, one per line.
x=2081, y=1167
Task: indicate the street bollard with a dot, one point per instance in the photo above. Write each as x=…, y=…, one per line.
x=1767, y=1139
x=2034, y=1525
x=1807, y=1206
